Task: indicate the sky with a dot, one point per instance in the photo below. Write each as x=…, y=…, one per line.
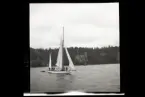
x=85, y=24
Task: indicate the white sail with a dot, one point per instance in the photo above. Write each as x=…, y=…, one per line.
x=71, y=65
x=50, y=61
x=59, y=56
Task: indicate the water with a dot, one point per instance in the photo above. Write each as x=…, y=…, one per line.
x=90, y=78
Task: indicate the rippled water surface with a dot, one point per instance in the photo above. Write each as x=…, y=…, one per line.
x=90, y=78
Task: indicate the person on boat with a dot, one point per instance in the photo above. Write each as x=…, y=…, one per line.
x=66, y=68
x=63, y=69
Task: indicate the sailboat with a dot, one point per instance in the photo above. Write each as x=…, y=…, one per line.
x=59, y=66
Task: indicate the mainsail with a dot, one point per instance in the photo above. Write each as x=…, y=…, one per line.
x=59, y=58
x=71, y=65
x=59, y=62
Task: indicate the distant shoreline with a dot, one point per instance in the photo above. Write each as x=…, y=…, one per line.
x=79, y=56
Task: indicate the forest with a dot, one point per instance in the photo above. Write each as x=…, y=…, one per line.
x=79, y=56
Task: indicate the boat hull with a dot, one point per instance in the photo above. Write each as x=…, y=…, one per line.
x=59, y=72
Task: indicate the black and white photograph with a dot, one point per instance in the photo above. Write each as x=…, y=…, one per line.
x=74, y=47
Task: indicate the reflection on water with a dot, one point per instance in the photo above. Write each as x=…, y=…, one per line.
x=91, y=78
x=64, y=82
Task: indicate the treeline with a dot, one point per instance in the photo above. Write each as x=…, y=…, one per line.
x=79, y=56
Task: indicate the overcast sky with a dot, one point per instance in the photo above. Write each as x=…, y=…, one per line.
x=85, y=25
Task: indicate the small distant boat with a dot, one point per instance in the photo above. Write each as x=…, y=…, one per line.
x=59, y=66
